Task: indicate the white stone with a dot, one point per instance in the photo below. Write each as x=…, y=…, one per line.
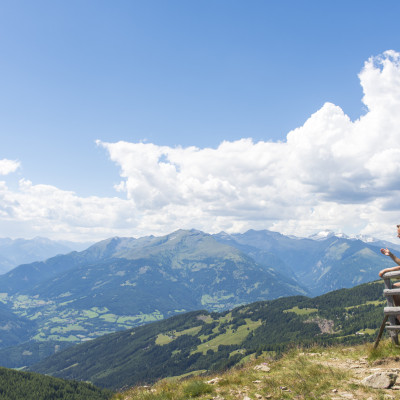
x=347, y=395
x=213, y=381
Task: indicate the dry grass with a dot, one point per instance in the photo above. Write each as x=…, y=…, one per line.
x=385, y=349
x=317, y=373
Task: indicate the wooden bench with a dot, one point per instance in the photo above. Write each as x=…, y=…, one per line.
x=391, y=310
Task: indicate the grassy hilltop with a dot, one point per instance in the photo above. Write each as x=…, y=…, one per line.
x=334, y=372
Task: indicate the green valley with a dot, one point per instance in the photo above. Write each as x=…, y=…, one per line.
x=202, y=341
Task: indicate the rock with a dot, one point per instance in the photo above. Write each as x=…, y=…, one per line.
x=213, y=381
x=346, y=395
x=395, y=370
x=262, y=367
x=380, y=380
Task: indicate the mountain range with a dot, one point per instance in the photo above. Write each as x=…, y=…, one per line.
x=321, y=263
x=14, y=252
x=124, y=282
x=121, y=283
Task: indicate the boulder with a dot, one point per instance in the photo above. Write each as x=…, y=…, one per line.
x=380, y=380
x=262, y=367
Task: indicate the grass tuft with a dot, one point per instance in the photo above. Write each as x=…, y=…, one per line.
x=385, y=349
x=196, y=388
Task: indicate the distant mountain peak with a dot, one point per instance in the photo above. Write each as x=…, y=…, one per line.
x=326, y=234
x=366, y=239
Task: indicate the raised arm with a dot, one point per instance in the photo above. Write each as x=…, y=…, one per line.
x=388, y=253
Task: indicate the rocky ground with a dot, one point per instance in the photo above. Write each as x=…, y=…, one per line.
x=381, y=374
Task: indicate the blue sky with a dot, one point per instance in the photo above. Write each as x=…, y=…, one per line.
x=171, y=73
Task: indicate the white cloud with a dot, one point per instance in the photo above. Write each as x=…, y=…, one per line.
x=49, y=211
x=330, y=173
x=8, y=166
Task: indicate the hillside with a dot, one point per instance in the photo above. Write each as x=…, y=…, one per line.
x=13, y=329
x=331, y=373
x=124, y=282
x=204, y=341
x=15, y=385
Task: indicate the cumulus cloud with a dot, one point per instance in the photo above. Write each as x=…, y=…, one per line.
x=8, y=166
x=330, y=173
x=49, y=211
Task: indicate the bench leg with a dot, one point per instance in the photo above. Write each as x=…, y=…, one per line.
x=395, y=338
x=381, y=331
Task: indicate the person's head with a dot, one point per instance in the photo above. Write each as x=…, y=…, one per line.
x=398, y=231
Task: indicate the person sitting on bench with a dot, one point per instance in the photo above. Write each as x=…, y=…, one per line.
x=388, y=253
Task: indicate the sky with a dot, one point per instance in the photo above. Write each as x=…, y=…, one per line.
x=132, y=118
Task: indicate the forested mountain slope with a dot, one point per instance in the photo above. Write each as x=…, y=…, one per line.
x=204, y=341
x=15, y=385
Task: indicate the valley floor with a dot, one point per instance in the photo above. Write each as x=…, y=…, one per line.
x=334, y=373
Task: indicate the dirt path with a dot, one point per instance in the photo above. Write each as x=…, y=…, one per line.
x=360, y=369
